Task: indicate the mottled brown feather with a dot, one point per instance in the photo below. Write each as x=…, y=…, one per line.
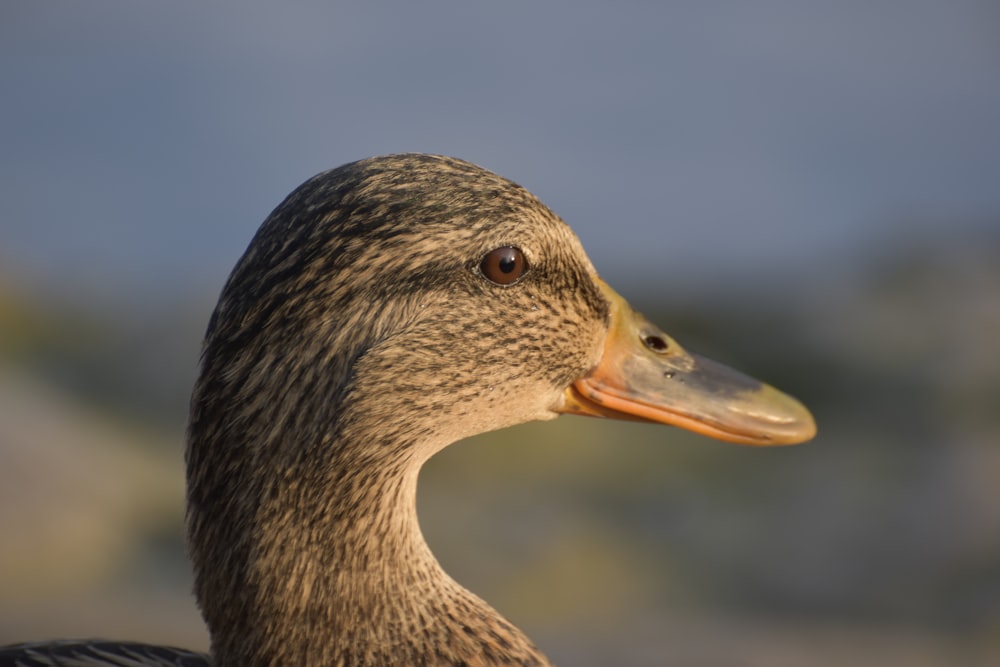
x=355, y=338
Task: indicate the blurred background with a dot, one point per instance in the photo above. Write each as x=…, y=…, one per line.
x=808, y=191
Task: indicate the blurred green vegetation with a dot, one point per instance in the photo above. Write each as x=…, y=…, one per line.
x=597, y=537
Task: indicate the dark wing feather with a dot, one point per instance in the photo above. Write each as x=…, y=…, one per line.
x=98, y=654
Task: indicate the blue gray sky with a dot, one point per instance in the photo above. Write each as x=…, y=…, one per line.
x=142, y=143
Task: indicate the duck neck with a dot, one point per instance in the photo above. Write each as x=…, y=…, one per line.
x=334, y=570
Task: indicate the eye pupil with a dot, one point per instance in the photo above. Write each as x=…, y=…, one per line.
x=503, y=266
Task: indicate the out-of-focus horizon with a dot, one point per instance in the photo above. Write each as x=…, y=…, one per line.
x=807, y=192
x=142, y=144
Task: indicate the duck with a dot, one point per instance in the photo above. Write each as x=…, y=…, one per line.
x=384, y=310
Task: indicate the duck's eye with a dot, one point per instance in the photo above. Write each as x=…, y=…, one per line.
x=504, y=266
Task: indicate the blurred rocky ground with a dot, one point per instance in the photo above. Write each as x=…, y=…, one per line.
x=609, y=543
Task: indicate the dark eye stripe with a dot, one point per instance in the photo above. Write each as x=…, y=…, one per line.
x=504, y=266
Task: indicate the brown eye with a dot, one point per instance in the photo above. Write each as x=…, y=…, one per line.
x=504, y=266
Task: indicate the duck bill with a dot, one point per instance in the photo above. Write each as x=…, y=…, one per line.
x=644, y=375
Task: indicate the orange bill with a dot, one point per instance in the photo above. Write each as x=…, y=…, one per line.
x=645, y=375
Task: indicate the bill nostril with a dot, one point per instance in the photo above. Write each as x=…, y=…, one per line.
x=655, y=343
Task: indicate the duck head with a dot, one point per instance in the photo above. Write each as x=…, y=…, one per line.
x=386, y=309
x=439, y=300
